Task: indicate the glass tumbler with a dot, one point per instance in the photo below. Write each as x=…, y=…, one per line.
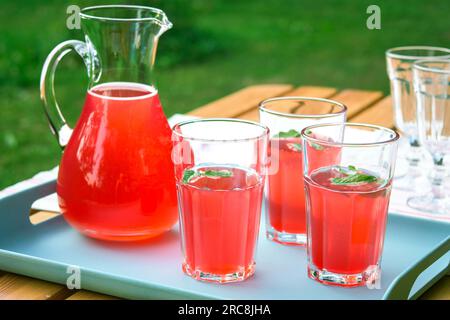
x=284, y=193
x=347, y=200
x=220, y=168
x=399, y=67
x=432, y=88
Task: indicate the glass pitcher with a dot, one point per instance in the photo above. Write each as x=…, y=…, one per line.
x=116, y=178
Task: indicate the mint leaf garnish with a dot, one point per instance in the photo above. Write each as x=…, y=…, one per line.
x=354, y=178
x=288, y=134
x=216, y=173
x=312, y=144
x=316, y=146
x=347, y=170
x=187, y=175
x=295, y=146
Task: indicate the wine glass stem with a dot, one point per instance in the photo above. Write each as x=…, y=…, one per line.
x=414, y=155
x=437, y=179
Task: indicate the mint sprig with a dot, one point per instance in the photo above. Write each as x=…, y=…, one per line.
x=295, y=146
x=312, y=144
x=188, y=175
x=288, y=134
x=353, y=176
x=295, y=134
x=216, y=173
x=316, y=146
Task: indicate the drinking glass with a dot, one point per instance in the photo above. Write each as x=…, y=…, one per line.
x=432, y=89
x=399, y=67
x=347, y=200
x=220, y=168
x=284, y=193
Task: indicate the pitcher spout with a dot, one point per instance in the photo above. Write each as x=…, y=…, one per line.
x=163, y=22
x=122, y=41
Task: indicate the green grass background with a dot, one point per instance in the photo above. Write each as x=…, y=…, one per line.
x=215, y=47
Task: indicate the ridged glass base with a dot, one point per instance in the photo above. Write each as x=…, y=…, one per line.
x=240, y=275
x=367, y=278
x=286, y=238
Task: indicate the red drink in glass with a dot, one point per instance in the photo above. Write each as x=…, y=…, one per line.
x=220, y=221
x=285, y=195
x=347, y=221
x=285, y=192
x=116, y=177
x=347, y=201
x=220, y=169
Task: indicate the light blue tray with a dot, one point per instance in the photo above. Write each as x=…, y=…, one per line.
x=416, y=255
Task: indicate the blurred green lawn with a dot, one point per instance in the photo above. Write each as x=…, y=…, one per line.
x=216, y=47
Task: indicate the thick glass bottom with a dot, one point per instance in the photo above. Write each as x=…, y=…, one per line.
x=296, y=239
x=369, y=277
x=121, y=237
x=237, y=276
x=117, y=234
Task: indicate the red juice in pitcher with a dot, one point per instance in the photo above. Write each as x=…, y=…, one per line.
x=220, y=222
x=347, y=219
x=116, y=178
x=285, y=192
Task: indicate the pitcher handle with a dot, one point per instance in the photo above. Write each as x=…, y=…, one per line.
x=56, y=120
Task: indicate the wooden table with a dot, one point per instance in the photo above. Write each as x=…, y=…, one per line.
x=363, y=106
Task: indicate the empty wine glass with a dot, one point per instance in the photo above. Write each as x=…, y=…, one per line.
x=399, y=67
x=432, y=90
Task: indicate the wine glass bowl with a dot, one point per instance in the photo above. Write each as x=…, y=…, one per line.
x=432, y=91
x=399, y=68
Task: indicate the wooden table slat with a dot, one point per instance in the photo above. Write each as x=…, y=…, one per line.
x=16, y=287
x=357, y=100
x=88, y=295
x=439, y=291
x=380, y=113
x=306, y=91
x=241, y=101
